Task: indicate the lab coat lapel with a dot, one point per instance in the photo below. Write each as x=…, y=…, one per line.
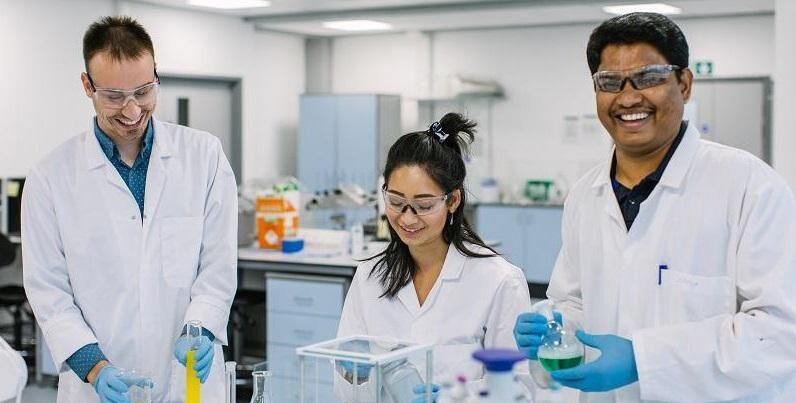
x=156, y=173
x=451, y=271
x=96, y=159
x=602, y=185
x=408, y=297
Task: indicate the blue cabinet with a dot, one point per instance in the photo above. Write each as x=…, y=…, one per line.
x=301, y=310
x=529, y=236
x=343, y=138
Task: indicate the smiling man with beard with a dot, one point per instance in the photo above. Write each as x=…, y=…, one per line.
x=678, y=258
x=129, y=232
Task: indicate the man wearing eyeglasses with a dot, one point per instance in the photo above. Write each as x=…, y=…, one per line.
x=678, y=260
x=129, y=232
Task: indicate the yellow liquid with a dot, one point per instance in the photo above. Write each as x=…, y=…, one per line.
x=191, y=378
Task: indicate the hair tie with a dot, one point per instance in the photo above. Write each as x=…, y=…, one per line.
x=436, y=129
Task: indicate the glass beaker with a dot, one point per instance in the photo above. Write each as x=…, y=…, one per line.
x=400, y=378
x=139, y=385
x=262, y=387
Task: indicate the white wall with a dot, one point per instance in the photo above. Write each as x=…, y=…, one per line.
x=545, y=75
x=784, y=90
x=42, y=45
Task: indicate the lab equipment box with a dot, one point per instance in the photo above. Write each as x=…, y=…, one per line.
x=366, y=369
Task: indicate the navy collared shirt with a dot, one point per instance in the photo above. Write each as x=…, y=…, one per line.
x=630, y=199
x=134, y=177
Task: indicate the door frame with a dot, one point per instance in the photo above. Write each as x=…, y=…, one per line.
x=767, y=107
x=236, y=131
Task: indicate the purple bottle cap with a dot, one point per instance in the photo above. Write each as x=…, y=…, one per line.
x=498, y=359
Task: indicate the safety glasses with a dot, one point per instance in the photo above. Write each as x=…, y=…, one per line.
x=641, y=78
x=420, y=206
x=144, y=96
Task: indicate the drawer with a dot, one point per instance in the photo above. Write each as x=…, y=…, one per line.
x=284, y=362
x=304, y=296
x=299, y=330
x=287, y=391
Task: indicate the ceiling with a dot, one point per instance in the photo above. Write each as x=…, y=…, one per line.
x=305, y=17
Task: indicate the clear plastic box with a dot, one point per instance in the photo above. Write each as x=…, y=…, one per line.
x=365, y=369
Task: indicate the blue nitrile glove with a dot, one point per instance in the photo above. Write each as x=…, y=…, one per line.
x=420, y=393
x=204, y=355
x=528, y=332
x=363, y=370
x=616, y=366
x=109, y=386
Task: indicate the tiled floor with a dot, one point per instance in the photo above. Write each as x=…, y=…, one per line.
x=39, y=394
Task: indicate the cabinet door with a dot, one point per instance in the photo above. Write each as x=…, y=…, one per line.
x=542, y=237
x=502, y=224
x=357, y=136
x=317, y=142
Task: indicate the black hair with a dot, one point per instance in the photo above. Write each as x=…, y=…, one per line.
x=651, y=28
x=439, y=151
x=122, y=37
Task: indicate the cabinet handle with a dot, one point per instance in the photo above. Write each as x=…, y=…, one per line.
x=304, y=301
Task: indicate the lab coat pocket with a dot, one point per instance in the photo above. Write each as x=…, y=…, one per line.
x=684, y=297
x=181, y=241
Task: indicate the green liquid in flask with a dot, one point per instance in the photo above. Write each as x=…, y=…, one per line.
x=553, y=364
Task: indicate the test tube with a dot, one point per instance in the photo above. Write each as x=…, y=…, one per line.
x=192, y=384
x=230, y=368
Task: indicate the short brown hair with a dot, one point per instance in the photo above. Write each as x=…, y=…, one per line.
x=123, y=37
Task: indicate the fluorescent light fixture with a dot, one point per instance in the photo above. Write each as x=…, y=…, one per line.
x=659, y=8
x=357, y=25
x=229, y=4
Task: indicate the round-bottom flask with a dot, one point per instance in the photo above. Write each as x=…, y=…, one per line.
x=560, y=349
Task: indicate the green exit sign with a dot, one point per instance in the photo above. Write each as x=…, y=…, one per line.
x=703, y=68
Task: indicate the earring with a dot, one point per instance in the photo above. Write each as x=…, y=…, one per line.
x=451, y=220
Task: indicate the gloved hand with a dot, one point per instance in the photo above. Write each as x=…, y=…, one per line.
x=204, y=355
x=420, y=393
x=616, y=366
x=363, y=371
x=528, y=332
x=110, y=387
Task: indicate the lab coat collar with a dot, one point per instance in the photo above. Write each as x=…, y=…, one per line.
x=675, y=172
x=452, y=270
x=95, y=156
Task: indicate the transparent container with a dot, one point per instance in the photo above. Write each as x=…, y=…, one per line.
x=230, y=381
x=560, y=348
x=262, y=387
x=364, y=369
x=400, y=378
x=139, y=384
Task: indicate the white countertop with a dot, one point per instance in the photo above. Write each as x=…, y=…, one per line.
x=308, y=256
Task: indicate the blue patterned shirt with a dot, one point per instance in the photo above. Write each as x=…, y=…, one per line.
x=135, y=176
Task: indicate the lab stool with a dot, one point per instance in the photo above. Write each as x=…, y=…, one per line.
x=13, y=298
x=239, y=321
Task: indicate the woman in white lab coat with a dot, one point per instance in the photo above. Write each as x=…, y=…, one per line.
x=436, y=282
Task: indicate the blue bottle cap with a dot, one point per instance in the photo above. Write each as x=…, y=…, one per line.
x=292, y=245
x=498, y=359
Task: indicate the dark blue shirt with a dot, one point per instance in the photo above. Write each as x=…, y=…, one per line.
x=630, y=199
x=135, y=176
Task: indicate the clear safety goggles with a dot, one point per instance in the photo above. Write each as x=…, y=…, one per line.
x=420, y=206
x=641, y=78
x=144, y=96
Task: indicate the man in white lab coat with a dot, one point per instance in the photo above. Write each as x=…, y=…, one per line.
x=678, y=258
x=129, y=231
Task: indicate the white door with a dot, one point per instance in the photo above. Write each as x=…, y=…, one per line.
x=205, y=105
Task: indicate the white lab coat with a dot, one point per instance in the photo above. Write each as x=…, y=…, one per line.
x=13, y=373
x=94, y=273
x=721, y=324
x=473, y=305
